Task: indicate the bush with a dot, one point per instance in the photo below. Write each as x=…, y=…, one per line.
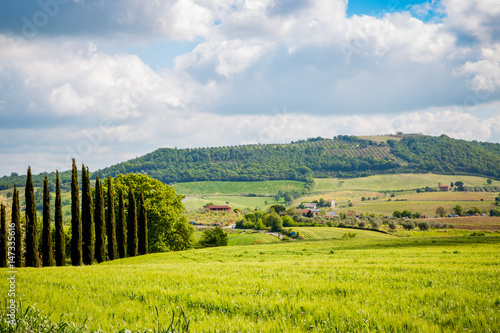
x=392, y=225
x=349, y=235
x=408, y=225
x=213, y=237
x=423, y=225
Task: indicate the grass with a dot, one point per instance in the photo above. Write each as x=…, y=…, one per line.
x=251, y=238
x=385, y=285
x=264, y=188
x=397, y=182
x=240, y=202
x=338, y=233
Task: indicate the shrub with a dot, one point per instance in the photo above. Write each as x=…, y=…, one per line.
x=392, y=225
x=423, y=225
x=349, y=235
x=408, y=225
x=213, y=237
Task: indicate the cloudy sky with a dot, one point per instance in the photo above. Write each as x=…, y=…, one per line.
x=106, y=81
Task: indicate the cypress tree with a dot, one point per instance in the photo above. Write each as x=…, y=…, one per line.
x=143, y=226
x=3, y=237
x=47, y=247
x=132, y=224
x=31, y=224
x=110, y=222
x=60, y=240
x=121, y=227
x=100, y=227
x=16, y=220
x=76, y=223
x=87, y=219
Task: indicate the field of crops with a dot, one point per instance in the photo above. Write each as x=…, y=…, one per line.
x=240, y=202
x=397, y=182
x=338, y=233
x=265, y=188
x=385, y=285
x=473, y=222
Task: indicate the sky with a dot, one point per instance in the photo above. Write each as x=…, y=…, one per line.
x=107, y=81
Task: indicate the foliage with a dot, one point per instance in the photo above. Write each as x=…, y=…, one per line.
x=31, y=255
x=47, y=246
x=458, y=210
x=274, y=221
x=110, y=222
x=168, y=228
x=100, y=222
x=76, y=223
x=143, y=226
x=16, y=220
x=214, y=237
x=3, y=236
x=441, y=211
x=88, y=227
x=349, y=235
x=408, y=225
x=60, y=250
x=132, y=237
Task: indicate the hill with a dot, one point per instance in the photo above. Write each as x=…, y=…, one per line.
x=342, y=156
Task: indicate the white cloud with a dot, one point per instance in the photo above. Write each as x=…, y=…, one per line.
x=485, y=72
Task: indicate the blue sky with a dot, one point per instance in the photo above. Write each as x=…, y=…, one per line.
x=106, y=81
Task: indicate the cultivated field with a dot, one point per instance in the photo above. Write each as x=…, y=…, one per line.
x=350, y=285
x=264, y=188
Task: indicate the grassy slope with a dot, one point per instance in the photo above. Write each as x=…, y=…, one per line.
x=266, y=188
x=405, y=285
x=337, y=233
x=398, y=182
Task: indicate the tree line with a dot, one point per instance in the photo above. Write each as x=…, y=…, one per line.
x=100, y=228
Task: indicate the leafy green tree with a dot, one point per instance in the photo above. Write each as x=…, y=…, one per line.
x=87, y=219
x=132, y=224
x=460, y=186
x=121, y=227
x=441, y=211
x=16, y=220
x=277, y=208
x=397, y=214
x=3, y=236
x=259, y=225
x=31, y=224
x=275, y=222
x=60, y=253
x=110, y=222
x=168, y=228
x=143, y=226
x=47, y=247
x=214, y=237
x=76, y=223
x=489, y=181
x=458, y=210
x=100, y=220
x=423, y=225
x=405, y=213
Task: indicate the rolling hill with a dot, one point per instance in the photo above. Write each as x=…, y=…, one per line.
x=342, y=157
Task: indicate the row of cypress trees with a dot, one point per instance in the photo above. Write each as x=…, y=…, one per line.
x=92, y=227
x=96, y=226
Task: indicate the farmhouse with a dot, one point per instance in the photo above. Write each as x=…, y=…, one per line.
x=310, y=206
x=443, y=188
x=314, y=212
x=218, y=208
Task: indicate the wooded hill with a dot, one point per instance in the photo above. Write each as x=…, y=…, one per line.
x=342, y=156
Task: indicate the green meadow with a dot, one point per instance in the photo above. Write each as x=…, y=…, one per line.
x=383, y=284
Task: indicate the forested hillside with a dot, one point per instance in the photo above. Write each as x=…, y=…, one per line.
x=342, y=156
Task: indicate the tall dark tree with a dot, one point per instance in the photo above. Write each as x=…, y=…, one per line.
x=100, y=227
x=31, y=224
x=132, y=224
x=16, y=220
x=60, y=240
x=3, y=236
x=87, y=219
x=47, y=247
x=76, y=223
x=143, y=226
x=121, y=227
x=110, y=222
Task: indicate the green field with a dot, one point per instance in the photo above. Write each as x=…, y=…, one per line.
x=337, y=233
x=384, y=285
x=264, y=188
x=251, y=238
x=234, y=201
x=397, y=182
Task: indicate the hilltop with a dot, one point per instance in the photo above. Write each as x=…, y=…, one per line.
x=342, y=156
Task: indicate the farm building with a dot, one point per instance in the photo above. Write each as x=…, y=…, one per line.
x=218, y=208
x=443, y=188
x=310, y=206
x=314, y=212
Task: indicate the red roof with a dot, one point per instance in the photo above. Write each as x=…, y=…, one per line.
x=218, y=207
